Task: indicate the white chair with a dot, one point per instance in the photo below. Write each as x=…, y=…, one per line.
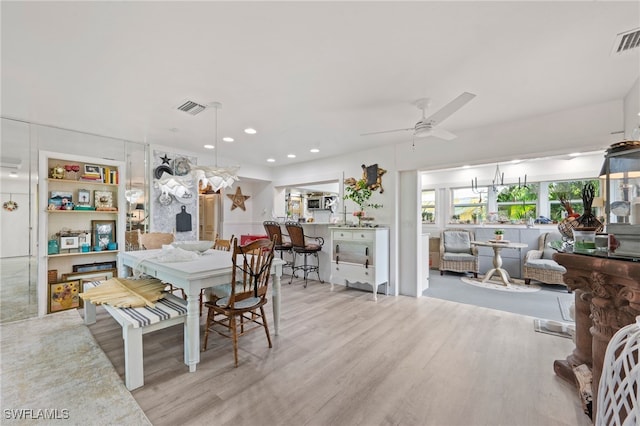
x=619, y=388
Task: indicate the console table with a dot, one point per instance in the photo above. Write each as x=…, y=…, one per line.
x=607, y=297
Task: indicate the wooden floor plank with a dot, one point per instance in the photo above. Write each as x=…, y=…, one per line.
x=343, y=359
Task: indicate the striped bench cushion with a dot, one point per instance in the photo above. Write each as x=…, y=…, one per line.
x=168, y=307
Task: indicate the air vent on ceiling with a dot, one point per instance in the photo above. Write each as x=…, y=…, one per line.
x=191, y=107
x=626, y=41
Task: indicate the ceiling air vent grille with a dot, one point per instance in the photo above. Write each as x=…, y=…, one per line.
x=626, y=41
x=191, y=107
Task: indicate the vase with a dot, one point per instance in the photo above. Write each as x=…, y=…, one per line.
x=498, y=237
x=66, y=302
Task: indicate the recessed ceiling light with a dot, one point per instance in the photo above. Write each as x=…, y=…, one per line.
x=291, y=156
x=209, y=146
x=516, y=161
x=314, y=150
x=250, y=131
x=574, y=154
x=13, y=174
x=227, y=139
x=466, y=166
x=271, y=160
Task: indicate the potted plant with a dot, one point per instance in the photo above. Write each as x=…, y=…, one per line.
x=360, y=193
x=498, y=234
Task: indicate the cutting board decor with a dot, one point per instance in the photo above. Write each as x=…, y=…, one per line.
x=124, y=293
x=183, y=220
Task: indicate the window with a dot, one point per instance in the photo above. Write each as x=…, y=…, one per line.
x=468, y=207
x=571, y=193
x=517, y=202
x=429, y=206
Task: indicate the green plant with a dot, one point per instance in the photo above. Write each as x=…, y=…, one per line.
x=498, y=231
x=360, y=194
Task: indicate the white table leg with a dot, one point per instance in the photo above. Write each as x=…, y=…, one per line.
x=193, y=329
x=133, y=358
x=275, y=299
x=497, y=268
x=89, y=313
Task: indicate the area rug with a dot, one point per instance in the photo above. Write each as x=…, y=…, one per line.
x=53, y=369
x=517, y=286
x=551, y=327
x=565, y=308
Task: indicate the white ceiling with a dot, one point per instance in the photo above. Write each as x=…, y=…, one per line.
x=305, y=74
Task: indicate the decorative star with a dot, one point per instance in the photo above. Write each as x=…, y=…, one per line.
x=238, y=199
x=165, y=159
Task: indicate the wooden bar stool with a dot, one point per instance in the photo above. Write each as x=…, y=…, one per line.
x=303, y=248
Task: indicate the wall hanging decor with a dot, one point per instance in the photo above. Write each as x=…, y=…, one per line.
x=183, y=220
x=238, y=199
x=10, y=205
x=372, y=176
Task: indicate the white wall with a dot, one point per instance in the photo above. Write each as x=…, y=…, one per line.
x=632, y=109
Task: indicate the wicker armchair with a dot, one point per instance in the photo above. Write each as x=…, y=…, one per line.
x=539, y=264
x=456, y=252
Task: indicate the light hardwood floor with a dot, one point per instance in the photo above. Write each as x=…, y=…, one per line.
x=343, y=359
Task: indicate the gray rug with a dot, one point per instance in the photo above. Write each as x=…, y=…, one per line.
x=53, y=369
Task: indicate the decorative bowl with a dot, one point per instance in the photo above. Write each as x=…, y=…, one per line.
x=199, y=246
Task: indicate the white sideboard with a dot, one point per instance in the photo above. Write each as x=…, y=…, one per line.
x=360, y=255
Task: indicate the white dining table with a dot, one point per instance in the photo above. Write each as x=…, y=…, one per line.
x=211, y=268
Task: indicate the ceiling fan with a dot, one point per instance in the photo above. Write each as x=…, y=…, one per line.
x=427, y=126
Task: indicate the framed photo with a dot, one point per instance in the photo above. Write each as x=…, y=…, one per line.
x=92, y=267
x=64, y=295
x=104, y=232
x=91, y=169
x=103, y=198
x=60, y=198
x=69, y=242
x=100, y=275
x=84, y=196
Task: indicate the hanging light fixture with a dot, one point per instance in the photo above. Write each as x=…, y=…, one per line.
x=496, y=183
x=217, y=177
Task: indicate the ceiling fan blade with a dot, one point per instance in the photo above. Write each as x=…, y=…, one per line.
x=385, y=131
x=447, y=110
x=442, y=134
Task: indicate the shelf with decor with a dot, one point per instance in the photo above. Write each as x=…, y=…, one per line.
x=81, y=230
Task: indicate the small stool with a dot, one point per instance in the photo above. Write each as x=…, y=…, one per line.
x=302, y=247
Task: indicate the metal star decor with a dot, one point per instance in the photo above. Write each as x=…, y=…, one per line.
x=238, y=199
x=165, y=159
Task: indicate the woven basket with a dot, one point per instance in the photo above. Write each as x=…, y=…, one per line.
x=567, y=226
x=52, y=276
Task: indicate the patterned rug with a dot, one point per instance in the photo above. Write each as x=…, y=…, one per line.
x=565, y=308
x=53, y=369
x=517, y=286
x=554, y=328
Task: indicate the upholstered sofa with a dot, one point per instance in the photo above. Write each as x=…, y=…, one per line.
x=539, y=264
x=456, y=252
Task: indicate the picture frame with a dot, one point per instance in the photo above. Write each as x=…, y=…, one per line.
x=92, y=267
x=84, y=196
x=64, y=295
x=103, y=232
x=92, y=169
x=102, y=198
x=100, y=275
x=60, y=198
x=69, y=242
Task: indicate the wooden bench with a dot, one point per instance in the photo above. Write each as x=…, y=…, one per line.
x=135, y=322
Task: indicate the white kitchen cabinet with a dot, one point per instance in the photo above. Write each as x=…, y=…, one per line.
x=360, y=255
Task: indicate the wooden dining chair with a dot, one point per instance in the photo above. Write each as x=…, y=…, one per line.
x=245, y=303
x=155, y=240
x=217, y=292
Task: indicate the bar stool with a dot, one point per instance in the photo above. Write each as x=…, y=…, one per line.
x=302, y=247
x=274, y=231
